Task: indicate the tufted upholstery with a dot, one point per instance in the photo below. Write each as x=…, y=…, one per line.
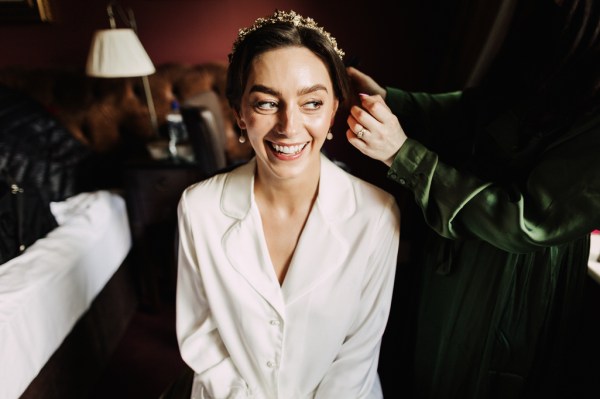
x=110, y=115
x=184, y=82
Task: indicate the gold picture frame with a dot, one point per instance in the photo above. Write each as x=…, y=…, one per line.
x=20, y=11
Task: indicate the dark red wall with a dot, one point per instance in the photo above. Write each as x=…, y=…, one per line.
x=397, y=47
x=402, y=45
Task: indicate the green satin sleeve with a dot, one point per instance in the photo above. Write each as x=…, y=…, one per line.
x=430, y=113
x=559, y=201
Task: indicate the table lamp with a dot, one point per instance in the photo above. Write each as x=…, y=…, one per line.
x=118, y=53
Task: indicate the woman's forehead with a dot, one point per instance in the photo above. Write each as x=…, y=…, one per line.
x=289, y=66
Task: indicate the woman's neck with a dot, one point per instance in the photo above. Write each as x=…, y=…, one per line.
x=289, y=196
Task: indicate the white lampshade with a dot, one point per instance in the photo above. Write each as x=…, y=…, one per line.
x=118, y=53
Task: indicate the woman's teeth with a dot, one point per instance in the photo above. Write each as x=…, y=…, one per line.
x=288, y=150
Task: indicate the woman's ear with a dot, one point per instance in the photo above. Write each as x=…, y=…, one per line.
x=240, y=122
x=336, y=104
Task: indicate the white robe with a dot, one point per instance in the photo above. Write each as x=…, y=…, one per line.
x=315, y=336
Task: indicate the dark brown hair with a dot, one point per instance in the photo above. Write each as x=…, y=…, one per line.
x=280, y=35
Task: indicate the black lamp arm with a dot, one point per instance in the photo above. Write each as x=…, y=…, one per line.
x=125, y=15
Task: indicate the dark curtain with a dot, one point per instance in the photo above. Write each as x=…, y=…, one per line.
x=478, y=28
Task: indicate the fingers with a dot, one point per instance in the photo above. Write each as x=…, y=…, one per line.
x=358, y=143
x=361, y=122
x=356, y=129
x=354, y=74
x=361, y=144
x=374, y=129
x=371, y=108
x=361, y=132
x=364, y=83
x=372, y=101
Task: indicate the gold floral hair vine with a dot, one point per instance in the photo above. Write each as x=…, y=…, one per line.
x=285, y=17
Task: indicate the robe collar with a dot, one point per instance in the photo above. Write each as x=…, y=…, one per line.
x=322, y=247
x=335, y=198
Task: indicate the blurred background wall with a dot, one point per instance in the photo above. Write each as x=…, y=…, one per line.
x=429, y=45
x=416, y=44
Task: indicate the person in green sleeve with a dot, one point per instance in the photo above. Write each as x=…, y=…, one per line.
x=507, y=175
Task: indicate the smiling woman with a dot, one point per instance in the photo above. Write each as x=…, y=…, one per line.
x=287, y=109
x=286, y=263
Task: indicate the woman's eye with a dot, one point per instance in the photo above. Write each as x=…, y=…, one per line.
x=266, y=105
x=314, y=104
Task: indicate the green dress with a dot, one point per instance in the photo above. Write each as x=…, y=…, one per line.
x=504, y=261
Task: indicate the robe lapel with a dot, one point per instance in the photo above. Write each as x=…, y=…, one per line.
x=320, y=251
x=247, y=251
x=244, y=243
x=323, y=246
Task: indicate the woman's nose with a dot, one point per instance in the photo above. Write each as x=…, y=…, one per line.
x=288, y=121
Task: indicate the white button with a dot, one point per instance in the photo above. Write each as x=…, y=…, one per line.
x=270, y=364
x=275, y=322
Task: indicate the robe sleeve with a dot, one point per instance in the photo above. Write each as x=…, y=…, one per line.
x=200, y=344
x=559, y=200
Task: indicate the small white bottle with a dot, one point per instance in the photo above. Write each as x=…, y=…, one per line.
x=179, y=143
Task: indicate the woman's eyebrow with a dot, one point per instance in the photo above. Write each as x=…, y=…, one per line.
x=268, y=90
x=264, y=89
x=312, y=89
